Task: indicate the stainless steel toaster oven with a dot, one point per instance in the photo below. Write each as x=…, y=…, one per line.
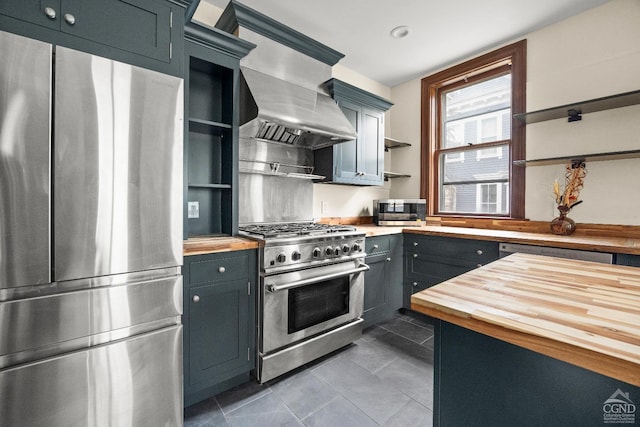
x=402, y=212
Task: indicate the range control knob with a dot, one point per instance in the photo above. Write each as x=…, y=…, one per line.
x=296, y=256
x=329, y=251
x=356, y=247
x=336, y=251
x=281, y=258
x=345, y=249
x=316, y=252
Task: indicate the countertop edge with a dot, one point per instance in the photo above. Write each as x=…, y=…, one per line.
x=205, y=245
x=591, y=243
x=441, y=302
x=210, y=245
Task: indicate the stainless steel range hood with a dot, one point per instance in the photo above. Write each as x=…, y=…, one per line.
x=276, y=110
x=282, y=94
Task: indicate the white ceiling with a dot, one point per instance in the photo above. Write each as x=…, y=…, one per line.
x=442, y=32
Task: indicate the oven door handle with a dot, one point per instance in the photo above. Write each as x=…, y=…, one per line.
x=275, y=288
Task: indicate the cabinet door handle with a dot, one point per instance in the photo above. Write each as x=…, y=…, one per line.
x=415, y=255
x=479, y=251
x=69, y=18
x=375, y=246
x=415, y=243
x=222, y=270
x=415, y=284
x=196, y=298
x=478, y=265
x=50, y=12
x=388, y=259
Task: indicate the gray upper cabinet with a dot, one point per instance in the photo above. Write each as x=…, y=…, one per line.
x=145, y=32
x=361, y=161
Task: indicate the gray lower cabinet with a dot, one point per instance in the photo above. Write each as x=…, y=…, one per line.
x=219, y=322
x=383, y=282
x=144, y=32
x=627, y=259
x=482, y=381
x=430, y=260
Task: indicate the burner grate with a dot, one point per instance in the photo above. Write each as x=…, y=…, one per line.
x=293, y=229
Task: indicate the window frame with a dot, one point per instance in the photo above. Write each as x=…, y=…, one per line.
x=508, y=58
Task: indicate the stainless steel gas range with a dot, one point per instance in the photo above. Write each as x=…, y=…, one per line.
x=311, y=292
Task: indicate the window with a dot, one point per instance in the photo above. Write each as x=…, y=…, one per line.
x=491, y=198
x=471, y=139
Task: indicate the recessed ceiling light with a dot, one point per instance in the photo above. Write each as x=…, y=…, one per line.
x=399, y=32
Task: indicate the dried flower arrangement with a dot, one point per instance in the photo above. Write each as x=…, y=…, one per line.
x=575, y=173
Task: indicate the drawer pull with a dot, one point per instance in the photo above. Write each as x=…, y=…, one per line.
x=415, y=243
x=388, y=259
x=415, y=255
x=50, y=12
x=415, y=284
x=375, y=246
x=479, y=251
x=222, y=270
x=71, y=20
x=196, y=298
x=478, y=265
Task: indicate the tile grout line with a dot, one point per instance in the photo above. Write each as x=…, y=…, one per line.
x=257, y=396
x=408, y=339
x=347, y=397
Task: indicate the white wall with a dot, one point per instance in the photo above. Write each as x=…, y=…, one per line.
x=207, y=14
x=593, y=54
x=405, y=119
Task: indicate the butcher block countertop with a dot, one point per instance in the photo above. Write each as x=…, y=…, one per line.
x=583, y=313
x=599, y=243
x=207, y=245
x=591, y=243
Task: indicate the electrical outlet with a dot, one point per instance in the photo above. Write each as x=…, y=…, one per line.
x=193, y=209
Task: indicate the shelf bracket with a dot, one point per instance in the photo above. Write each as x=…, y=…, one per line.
x=574, y=115
x=577, y=163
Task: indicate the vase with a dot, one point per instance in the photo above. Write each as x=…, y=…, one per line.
x=563, y=225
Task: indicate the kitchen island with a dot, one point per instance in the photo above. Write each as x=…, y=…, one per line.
x=531, y=340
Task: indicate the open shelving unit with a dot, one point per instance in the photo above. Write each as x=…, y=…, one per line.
x=389, y=144
x=611, y=155
x=210, y=147
x=390, y=175
x=573, y=112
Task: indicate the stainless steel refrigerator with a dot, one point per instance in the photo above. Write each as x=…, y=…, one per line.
x=90, y=240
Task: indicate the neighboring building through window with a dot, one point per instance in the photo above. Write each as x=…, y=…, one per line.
x=471, y=138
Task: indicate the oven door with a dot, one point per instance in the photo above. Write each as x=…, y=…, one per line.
x=304, y=303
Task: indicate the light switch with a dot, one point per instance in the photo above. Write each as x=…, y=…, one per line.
x=193, y=209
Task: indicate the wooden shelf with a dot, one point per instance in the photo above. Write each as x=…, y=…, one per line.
x=390, y=175
x=390, y=143
x=212, y=186
x=574, y=111
x=208, y=127
x=612, y=155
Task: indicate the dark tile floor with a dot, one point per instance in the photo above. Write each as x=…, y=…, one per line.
x=383, y=379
